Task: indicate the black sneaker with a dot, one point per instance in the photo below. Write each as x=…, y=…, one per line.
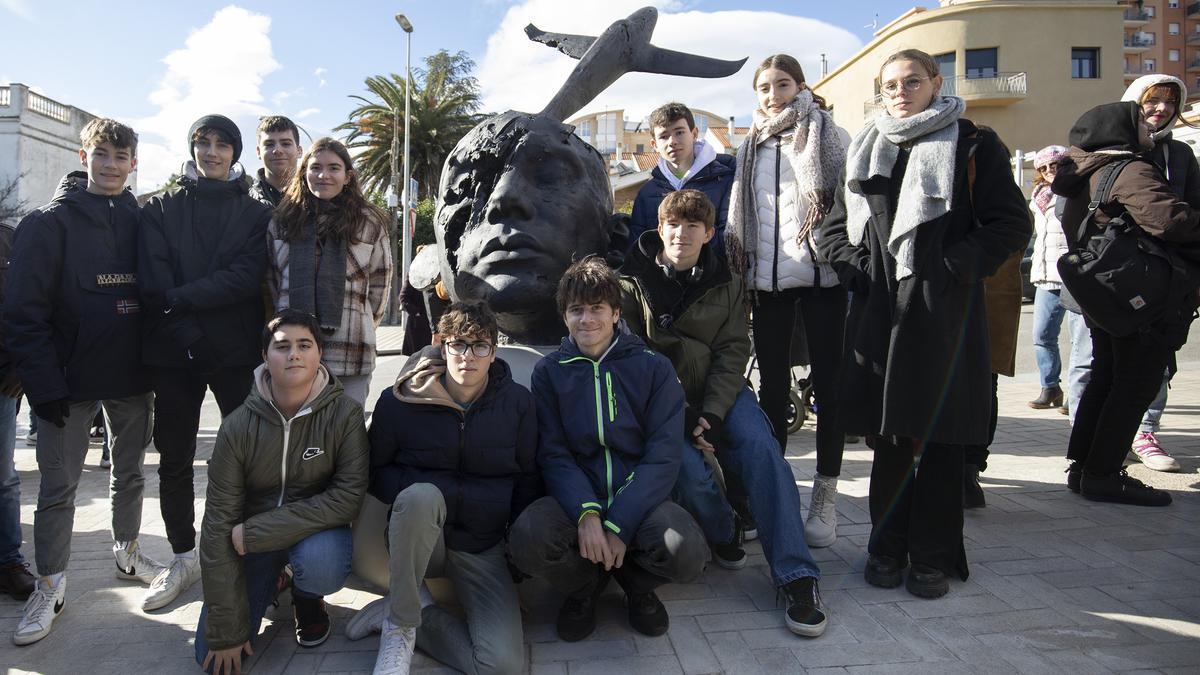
x=577, y=616
x=883, y=571
x=927, y=582
x=804, y=614
x=647, y=614
x=731, y=555
x=1074, y=472
x=1121, y=488
x=972, y=491
x=312, y=620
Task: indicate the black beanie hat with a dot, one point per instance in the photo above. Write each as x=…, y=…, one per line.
x=220, y=123
x=1111, y=126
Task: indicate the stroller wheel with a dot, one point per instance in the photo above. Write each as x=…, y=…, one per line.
x=796, y=411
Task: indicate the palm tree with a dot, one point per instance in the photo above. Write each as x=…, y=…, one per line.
x=444, y=104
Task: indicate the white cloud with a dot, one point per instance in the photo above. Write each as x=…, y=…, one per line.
x=517, y=73
x=307, y=112
x=21, y=8
x=220, y=69
x=319, y=73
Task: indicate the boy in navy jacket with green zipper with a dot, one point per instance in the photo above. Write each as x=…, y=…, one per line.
x=610, y=414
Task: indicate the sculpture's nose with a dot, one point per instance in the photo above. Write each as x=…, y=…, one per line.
x=510, y=200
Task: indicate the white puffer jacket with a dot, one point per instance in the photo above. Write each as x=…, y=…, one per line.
x=1049, y=244
x=776, y=196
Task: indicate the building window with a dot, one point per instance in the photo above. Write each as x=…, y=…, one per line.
x=1173, y=4
x=946, y=63
x=1148, y=65
x=585, y=128
x=1149, y=11
x=1085, y=62
x=641, y=148
x=981, y=63
x=1149, y=37
x=1172, y=54
x=1172, y=29
x=702, y=124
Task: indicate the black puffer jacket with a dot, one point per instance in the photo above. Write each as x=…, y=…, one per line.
x=483, y=459
x=202, y=262
x=265, y=192
x=72, y=317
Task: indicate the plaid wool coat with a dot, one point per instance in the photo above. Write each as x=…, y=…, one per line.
x=351, y=349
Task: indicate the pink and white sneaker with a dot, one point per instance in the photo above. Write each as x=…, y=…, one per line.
x=1147, y=449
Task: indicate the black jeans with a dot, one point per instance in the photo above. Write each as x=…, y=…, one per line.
x=1126, y=375
x=977, y=455
x=668, y=546
x=916, y=504
x=823, y=311
x=178, y=395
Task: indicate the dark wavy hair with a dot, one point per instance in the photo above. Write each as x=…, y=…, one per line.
x=352, y=218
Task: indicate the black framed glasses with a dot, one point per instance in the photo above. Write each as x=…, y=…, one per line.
x=481, y=350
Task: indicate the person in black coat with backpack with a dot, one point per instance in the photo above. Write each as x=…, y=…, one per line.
x=1127, y=369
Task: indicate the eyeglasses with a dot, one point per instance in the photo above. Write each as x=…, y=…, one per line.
x=891, y=89
x=481, y=350
x=1052, y=166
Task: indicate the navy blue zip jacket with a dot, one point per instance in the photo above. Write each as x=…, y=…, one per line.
x=611, y=431
x=714, y=180
x=72, y=317
x=483, y=459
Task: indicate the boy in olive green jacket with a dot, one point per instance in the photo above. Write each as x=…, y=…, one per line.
x=286, y=478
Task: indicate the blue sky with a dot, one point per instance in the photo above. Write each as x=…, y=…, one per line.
x=159, y=65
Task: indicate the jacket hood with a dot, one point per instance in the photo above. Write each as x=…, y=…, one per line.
x=72, y=189
x=325, y=389
x=420, y=380
x=1076, y=169
x=1137, y=89
x=703, y=155
x=189, y=175
x=1110, y=126
x=643, y=258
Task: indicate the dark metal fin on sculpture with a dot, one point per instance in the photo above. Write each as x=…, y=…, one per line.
x=624, y=47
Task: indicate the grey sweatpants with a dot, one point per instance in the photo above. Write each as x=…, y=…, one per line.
x=60, y=455
x=490, y=640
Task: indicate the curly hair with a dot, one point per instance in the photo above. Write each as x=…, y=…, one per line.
x=468, y=319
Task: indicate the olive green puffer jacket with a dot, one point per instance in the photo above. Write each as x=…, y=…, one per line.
x=285, y=480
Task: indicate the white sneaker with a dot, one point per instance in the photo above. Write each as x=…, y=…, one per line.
x=172, y=581
x=133, y=566
x=396, y=647
x=367, y=620
x=820, y=528
x=1147, y=448
x=41, y=609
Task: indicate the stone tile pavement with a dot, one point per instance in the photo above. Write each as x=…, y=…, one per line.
x=1057, y=584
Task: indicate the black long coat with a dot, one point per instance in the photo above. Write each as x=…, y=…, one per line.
x=917, y=362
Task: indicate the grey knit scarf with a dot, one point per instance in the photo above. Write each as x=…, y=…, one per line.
x=817, y=157
x=928, y=182
x=318, y=282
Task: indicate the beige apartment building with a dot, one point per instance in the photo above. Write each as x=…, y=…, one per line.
x=1163, y=36
x=1026, y=68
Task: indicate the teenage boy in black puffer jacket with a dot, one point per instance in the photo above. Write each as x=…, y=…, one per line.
x=454, y=452
x=201, y=264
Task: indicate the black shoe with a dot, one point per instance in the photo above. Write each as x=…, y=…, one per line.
x=972, y=492
x=731, y=555
x=1051, y=397
x=749, y=525
x=1074, y=472
x=577, y=616
x=804, y=614
x=647, y=614
x=927, y=582
x=883, y=571
x=1121, y=488
x=16, y=581
x=312, y=620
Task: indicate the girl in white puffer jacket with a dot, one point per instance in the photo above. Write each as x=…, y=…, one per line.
x=788, y=169
x=1049, y=244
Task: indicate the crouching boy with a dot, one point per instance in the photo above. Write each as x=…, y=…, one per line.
x=610, y=415
x=286, y=477
x=454, y=451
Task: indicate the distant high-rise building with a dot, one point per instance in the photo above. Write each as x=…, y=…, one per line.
x=1163, y=36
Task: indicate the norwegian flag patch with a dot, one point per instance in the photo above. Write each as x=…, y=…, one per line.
x=128, y=306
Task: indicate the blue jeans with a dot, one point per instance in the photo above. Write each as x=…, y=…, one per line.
x=696, y=490
x=1080, y=370
x=1151, y=420
x=320, y=565
x=1047, y=321
x=10, y=485
x=752, y=453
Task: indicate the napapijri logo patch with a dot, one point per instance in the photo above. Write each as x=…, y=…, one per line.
x=312, y=453
x=128, y=306
x=116, y=279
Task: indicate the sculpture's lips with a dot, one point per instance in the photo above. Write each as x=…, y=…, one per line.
x=516, y=246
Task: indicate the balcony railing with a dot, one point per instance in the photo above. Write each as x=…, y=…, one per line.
x=1193, y=10
x=1139, y=41
x=1137, y=16
x=48, y=107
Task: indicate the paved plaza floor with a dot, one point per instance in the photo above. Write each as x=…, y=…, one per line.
x=1058, y=584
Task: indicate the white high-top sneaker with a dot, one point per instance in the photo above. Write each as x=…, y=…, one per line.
x=396, y=647
x=133, y=565
x=41, y=609
x=820, y=528
x=173, y=580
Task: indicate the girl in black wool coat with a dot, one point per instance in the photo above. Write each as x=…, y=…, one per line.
x=912, y=237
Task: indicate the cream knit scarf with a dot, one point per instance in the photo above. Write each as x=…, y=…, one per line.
x=928, y=182
x=817, y=157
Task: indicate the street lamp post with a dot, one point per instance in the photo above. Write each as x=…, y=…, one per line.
x=406, y=235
